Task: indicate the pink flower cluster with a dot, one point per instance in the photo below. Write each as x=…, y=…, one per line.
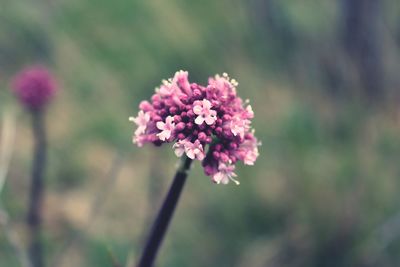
x=194, y=117
x=34, y=87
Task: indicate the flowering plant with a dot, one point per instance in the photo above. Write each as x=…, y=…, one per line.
x=194, y=116
x=35, y=87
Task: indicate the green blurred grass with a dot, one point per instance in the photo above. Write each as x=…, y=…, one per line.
x=327, y=176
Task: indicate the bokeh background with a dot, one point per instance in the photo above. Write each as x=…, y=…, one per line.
x=323, y=79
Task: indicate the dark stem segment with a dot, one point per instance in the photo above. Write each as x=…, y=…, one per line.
x=164, y=216
x=34, y=219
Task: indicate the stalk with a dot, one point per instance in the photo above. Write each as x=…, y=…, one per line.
x=164, y=216
x=34, y=218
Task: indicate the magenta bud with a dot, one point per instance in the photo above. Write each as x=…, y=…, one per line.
x=218, y=147
x=181, y=136
x=157, y=118
x=34, y=87
x=145, y=106
x=177, y=118
x=208, y=140
x=189, y=125
x=218, y=130
x=196, y=92
x=173, y=110
x=168, y=102
x=226, y=117
x=157, y=104
x=233, y=145
x=216, y=154
x=202, y=136
x=224, y=157
x=228, y=133
x=190, y=113
x=180, y=126
x=208, y=170
x=155, y=98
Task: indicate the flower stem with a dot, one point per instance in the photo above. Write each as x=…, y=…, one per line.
x=34, y=218
x=164, y=215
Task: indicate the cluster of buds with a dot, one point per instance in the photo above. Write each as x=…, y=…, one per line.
x=34, y=87
x=195, y=117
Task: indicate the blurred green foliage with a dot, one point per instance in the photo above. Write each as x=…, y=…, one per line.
x=324, y=191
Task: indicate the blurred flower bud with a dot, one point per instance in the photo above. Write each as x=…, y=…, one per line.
x=34, y=87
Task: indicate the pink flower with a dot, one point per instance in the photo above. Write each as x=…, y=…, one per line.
x=139, y=140
x=250, y=112
x=225, y=174
x=166, y=128
x=210, y=123
x=193, y=150
x=141, y=121
x=34, y=87
x=250, y=148
x=204, y=112
x=239, y=126
x=179, y=148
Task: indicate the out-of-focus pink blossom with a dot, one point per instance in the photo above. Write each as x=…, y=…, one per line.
x=239, y=126
x=141, y=121
x=34, y=87
x=196, y=117
x=248, y=150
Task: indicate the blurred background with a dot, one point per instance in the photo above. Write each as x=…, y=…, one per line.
x=323, y=79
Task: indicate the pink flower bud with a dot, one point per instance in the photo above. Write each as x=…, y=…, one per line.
x=34, y=87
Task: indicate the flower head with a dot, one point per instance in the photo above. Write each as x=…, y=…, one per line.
x=196, y=117
x=34, y=87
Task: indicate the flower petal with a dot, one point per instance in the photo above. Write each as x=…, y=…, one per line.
x=160, y=125
x=210, y=120
x=199, y=120
x=197, y=109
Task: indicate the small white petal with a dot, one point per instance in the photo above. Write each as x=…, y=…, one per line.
x=160, y=125
x=197, y=109
x=210, y=120
x=190, y=154
x=199, y=120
